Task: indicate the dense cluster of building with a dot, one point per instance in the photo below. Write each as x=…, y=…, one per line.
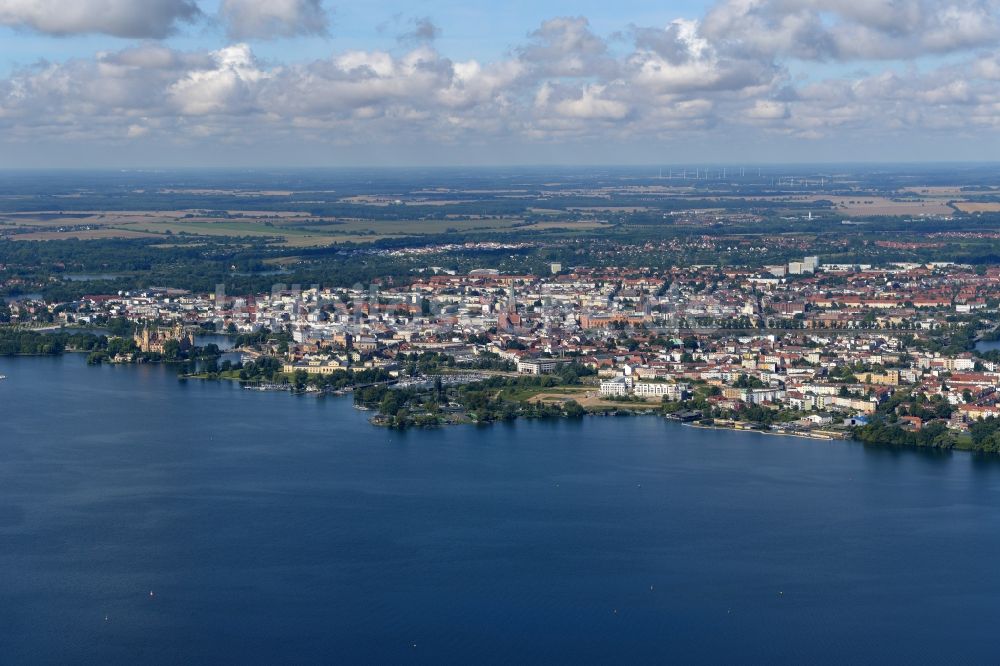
x=823, y=338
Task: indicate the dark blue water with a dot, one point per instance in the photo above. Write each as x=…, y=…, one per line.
x=91, y=277
x=987, y=345
x=280, y=529
x=23, y=297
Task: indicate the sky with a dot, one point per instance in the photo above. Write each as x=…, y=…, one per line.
x=312, y=83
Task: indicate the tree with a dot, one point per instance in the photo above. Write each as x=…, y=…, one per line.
x=402, y=418
x=171, y=350
x=390, y=403
x=299, y=379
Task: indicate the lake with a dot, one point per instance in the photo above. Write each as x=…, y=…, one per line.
x=91, y=277
x=148, y=520
x=987, y=345
x=9, y=300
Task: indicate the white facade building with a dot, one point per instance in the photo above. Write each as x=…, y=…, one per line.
x=538, y=366
x=670, y=391
x=617, y=387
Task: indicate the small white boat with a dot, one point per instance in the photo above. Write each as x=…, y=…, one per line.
x=3, y=376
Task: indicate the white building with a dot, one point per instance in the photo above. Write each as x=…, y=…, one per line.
x=617, y=387
x=538, y=366
x=670, y=391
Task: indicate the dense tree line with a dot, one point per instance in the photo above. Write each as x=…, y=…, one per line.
x=15, y=341
x=494, y=399
x=985, y=436
x=934, y=435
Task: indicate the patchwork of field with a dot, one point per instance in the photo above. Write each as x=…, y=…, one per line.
x=610, y=209
x=937, y=191
x=90, y=234
x=568, y=225
x=292, y=229
x=976, y=207
x=227, y=193
x=866, y=205
x=299, y=229
x=384, y=201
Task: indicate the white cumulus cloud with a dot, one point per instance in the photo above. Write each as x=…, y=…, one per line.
x=270, y=19
x=119, y=18
x=851, y=29
x=732, y=74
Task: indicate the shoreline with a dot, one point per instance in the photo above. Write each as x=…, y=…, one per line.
x=817, y=437
x=649, y=410
x=827, y=437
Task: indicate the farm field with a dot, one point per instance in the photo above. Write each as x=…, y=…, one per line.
x=867, y=205
x=292, y=229
x=88, y=234
x=978, y=207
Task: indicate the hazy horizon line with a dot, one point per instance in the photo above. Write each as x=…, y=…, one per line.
x=483, y=167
